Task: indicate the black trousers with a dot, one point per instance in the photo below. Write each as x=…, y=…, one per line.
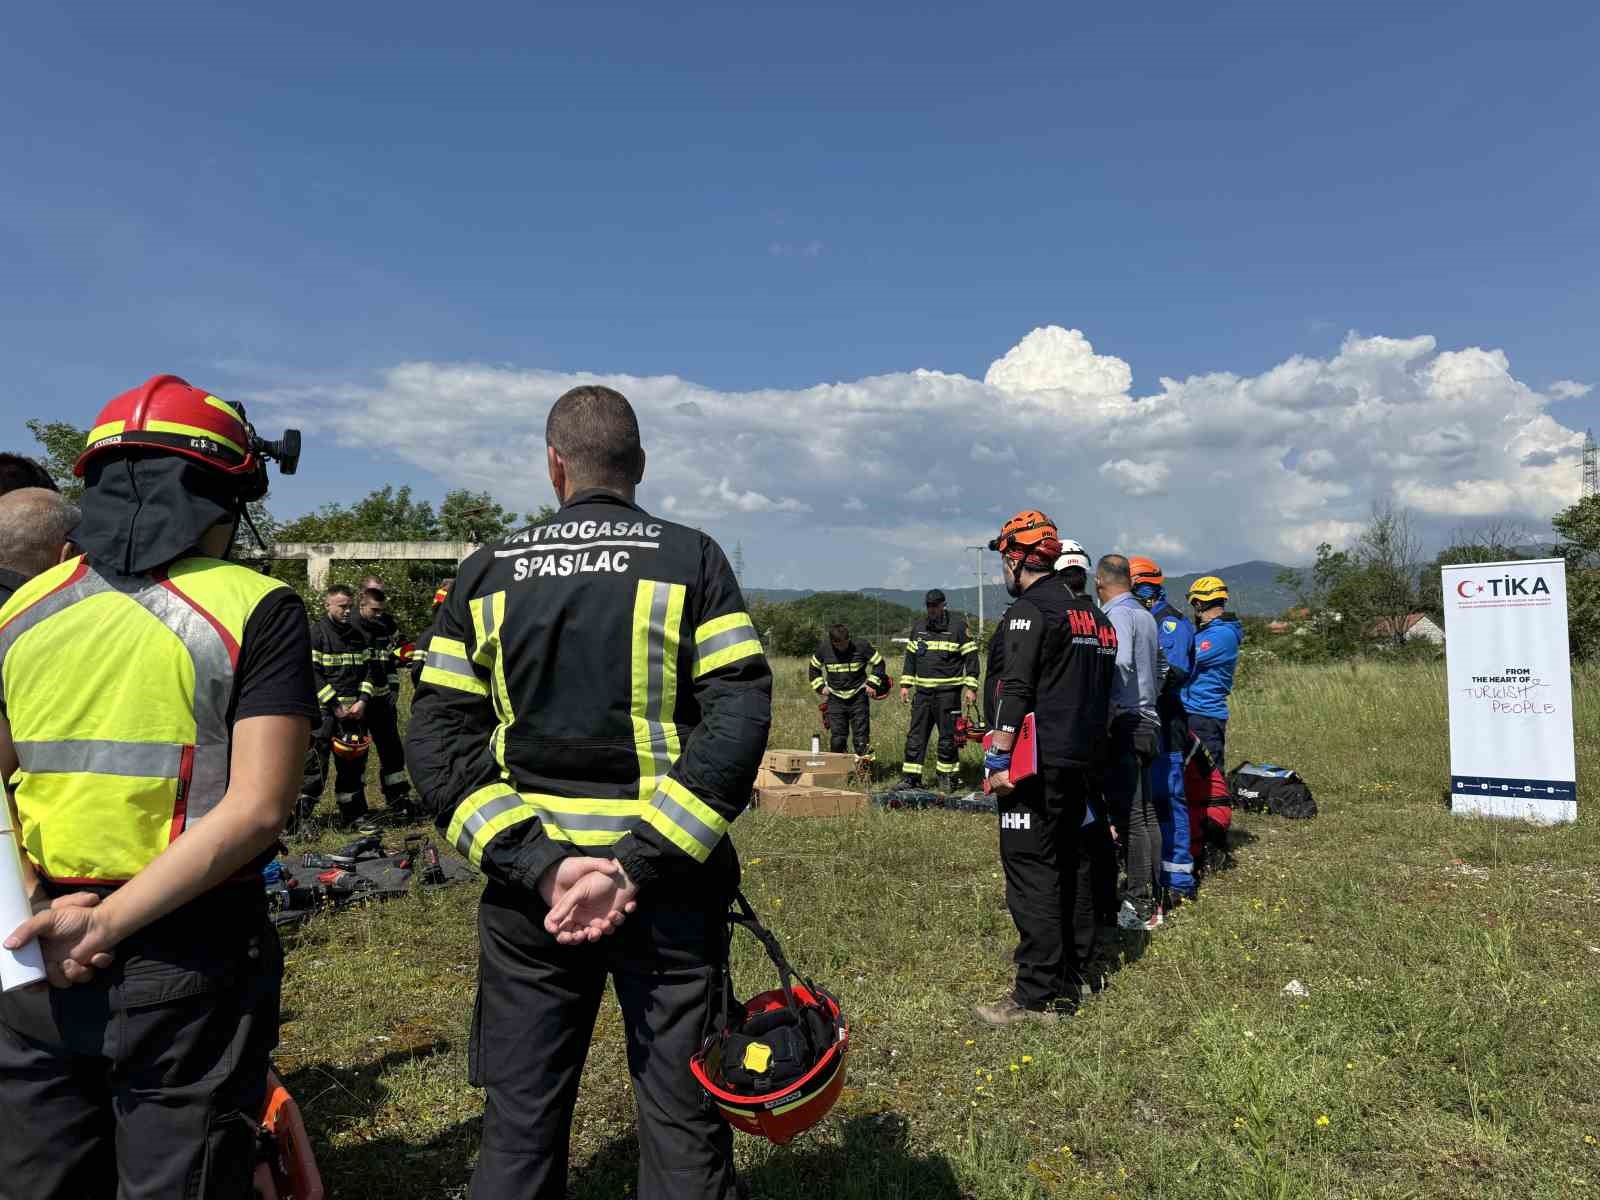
x=1045, y=850
x=1133, y=811
x=1213, y=735
x=349, y=775
x=852, y=717
x=531, y=1027
x=383, y=723
x=147, y=1083
x=929, y=708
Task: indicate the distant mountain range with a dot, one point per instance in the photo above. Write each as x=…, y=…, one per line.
x=1252, y=588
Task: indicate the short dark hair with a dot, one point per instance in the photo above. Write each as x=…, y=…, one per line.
x=596, y=433
x=1075, y=578
x=18, y=471
x=838, y=633
x=341, y=589
x=374, y=594
x=1113, y=568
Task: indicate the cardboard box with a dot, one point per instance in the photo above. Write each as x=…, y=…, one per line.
x=811, y=801
x=802, y=760
x=766, y=778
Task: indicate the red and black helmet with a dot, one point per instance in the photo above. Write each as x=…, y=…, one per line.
x=167, y=415
x=775, y=1067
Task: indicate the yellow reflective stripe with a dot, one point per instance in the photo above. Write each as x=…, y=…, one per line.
x=969, y=647
x=488, y=617
x=325, y=694
x=942, y=646
x=723, y=641
x=109, y=429
x=366, y=687
x=909, y=681
x=875, y=660
x=685, y=820
x=971, y=682
x=193, y=431
x=445, y=664
x=483, y=816
x=439, y=677
x=223, y=406
x=653, y=674
x=816, y=684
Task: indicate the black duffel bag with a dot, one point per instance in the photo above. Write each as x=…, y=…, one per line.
x=1263, y=787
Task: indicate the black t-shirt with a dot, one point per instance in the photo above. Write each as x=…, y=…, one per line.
x=273, y=676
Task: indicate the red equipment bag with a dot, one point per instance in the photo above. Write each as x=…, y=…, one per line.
x=288, y=1170
x=1024, y=752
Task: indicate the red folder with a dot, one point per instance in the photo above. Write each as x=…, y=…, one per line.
x=1024, y=752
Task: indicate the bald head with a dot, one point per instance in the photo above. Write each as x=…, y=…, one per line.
x=593, y=440
x=34, y=524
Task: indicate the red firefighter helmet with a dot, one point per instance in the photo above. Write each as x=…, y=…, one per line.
x=351, y=745
x=167, y=415
x=879, y=693
x=775, y=1067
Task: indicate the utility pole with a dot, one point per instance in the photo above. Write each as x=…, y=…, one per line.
x=979, y=550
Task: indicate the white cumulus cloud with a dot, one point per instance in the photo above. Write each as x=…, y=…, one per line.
x=1569, y=389
x=910, y=469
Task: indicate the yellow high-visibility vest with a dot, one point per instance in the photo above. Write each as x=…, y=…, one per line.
x=117, y=690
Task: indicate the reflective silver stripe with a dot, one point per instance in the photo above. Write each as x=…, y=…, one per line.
x=686, y=820
x=490, y=619
x=606, y=822
x=440, y=661
x=486, y=812
x=158, y=760
x=395, y=777
x=655, y=675
x=725, y=639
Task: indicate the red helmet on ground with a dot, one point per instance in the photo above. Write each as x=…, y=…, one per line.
x=776, y=1067
x=167, y=415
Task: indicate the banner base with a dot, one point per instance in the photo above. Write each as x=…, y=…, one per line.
x=1542, y=811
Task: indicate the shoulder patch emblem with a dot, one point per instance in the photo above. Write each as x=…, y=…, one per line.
x=1169, y=625
x=1205, y=645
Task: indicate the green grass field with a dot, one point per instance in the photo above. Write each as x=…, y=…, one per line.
x=1448, y=1047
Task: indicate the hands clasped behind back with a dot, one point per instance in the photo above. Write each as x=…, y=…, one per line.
x=589, y=898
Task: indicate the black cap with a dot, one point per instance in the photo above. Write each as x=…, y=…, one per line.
x=934, y=596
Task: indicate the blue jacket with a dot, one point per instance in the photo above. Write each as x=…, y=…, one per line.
x=1216, y=654
x=1177, y=640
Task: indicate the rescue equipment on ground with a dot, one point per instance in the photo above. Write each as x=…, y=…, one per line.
x=1208, y=590
x=286, y=1168
x=776, y=1066
x=360, y=871
x=1265, y=787
x=168, y=415
x=914, y=799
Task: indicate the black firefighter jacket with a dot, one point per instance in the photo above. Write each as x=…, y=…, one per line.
x=940, y=657
x=342, y=663
x=1054, y=654
x=846, y=672
x=593, y=685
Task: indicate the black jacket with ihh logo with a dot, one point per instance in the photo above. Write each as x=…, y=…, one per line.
x=593, y=685
x=1054, y=654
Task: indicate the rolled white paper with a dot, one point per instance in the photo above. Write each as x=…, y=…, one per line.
x=18, y=968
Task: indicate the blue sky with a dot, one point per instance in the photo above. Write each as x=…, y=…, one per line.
x=286, y=204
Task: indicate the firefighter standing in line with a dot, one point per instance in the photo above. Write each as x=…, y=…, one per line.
x=157, y=703
x=382, y=719
x=941, y=667
x=1176, y=637
x=592, y=713
x=347, y=678
x=843, y=671
x=1056, y=656
x=419, y=652
x=1218, y=636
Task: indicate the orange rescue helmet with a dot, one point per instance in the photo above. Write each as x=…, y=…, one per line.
x=1030, y=537
x=1144, y=570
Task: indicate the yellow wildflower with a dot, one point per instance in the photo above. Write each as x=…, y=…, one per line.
x=1322, y=1121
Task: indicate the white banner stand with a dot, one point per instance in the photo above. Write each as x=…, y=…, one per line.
x=1510, y=683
